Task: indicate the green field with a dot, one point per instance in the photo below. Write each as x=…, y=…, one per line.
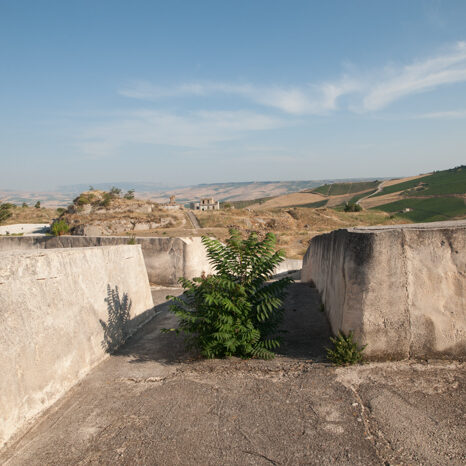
x=312, y=205
x=427, y=210
x=336, y=189
x=451, y=181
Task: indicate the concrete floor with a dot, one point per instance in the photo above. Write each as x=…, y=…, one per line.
x=153, y=403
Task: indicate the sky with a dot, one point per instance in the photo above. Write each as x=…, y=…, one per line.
x=187, y=92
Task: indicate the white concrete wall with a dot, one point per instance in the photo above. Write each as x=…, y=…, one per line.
x=400, y=289
x=53, y=310
x=166, y=259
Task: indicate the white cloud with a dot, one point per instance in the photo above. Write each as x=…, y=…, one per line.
x=369, y=91
x=419, y=77
x=193, y=130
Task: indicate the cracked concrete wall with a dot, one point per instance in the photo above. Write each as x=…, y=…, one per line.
x=400, y=289
x=57, y=322
x=166, y=259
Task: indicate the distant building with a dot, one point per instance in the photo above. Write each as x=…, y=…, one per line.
x=206, y=203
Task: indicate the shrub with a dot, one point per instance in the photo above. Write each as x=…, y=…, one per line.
x=37, y=205
x=352, y=207
x=24, y=204
x=345, y=351
x=106, y=199
x=235, y=312
x=60, y=227
x=115, y=192
x=129, y=195
x=82, y=200
x=5, y=211
x=132, y=240
x=60, y=210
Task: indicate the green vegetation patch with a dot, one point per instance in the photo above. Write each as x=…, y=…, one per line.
x=337, y=189
x=427, y=210
x=452, y=181
x=312, y=205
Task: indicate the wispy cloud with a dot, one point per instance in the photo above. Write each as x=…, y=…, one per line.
x=193, y=130
x=452, y=114
x=369, y=91
x=421, y=76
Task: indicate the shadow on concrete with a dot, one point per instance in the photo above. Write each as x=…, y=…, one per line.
x=305, y=327
x=116, y=329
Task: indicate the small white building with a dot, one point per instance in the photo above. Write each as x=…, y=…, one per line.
x=206, y=203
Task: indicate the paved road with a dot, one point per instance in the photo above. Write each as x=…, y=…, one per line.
x=193, y=220
x=156, y=404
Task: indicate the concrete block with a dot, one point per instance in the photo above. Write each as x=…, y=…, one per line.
x=400, y=289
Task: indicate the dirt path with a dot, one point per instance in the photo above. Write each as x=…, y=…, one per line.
x=193, y=220
x=155, y=404
x=379, y=188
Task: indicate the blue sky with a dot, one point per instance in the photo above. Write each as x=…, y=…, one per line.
x=186, y=92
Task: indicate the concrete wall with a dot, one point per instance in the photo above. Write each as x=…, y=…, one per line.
x=57, y=322
x=166, y=259
x=400, y=289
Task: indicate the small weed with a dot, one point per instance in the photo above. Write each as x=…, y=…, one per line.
x=132, y=240
x=345, y=351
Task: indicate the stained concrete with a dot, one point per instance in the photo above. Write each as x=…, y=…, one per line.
x=166, y=259
x=400, y=288
x=61, y=310
x=156, y=404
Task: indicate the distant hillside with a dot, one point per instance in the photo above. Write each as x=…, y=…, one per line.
x=337, y=189
x=434, y=197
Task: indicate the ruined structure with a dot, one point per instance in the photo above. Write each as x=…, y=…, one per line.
x=207, y=203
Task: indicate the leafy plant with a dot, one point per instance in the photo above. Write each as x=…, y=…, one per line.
x=106, y=199
x=345, y=351
x=5, y=211
x=114, y=192
x=37, y=205
x=132, y=240
x=129, y=194
x=60, y=227
x=24, y=204
x=235, y=312
x=352, y=207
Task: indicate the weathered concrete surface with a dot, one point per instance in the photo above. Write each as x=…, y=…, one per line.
x=155, y=404
x=57, y=321
x=26, y=229
x=166, y=259
x=400, y=289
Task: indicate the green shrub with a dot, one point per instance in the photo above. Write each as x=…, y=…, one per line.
x=234, y=312
x=60, y=227
x=132, y=240
x=106, y=200
x=5, y=211
x=37, y=205
x=345, y=351
x=60, y=210
x=129, y=195
x=115, y=192
x=352, y=207
x=82, y=200
x=24, y=204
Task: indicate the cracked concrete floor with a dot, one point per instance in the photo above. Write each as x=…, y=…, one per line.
x=153, y=403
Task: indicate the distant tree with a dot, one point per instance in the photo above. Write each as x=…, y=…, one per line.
x=129, y=195
x=91, y=188
x=115, y=192
x=24, y=204
x=5, y=211
x=352, y=207
x=37, y=205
